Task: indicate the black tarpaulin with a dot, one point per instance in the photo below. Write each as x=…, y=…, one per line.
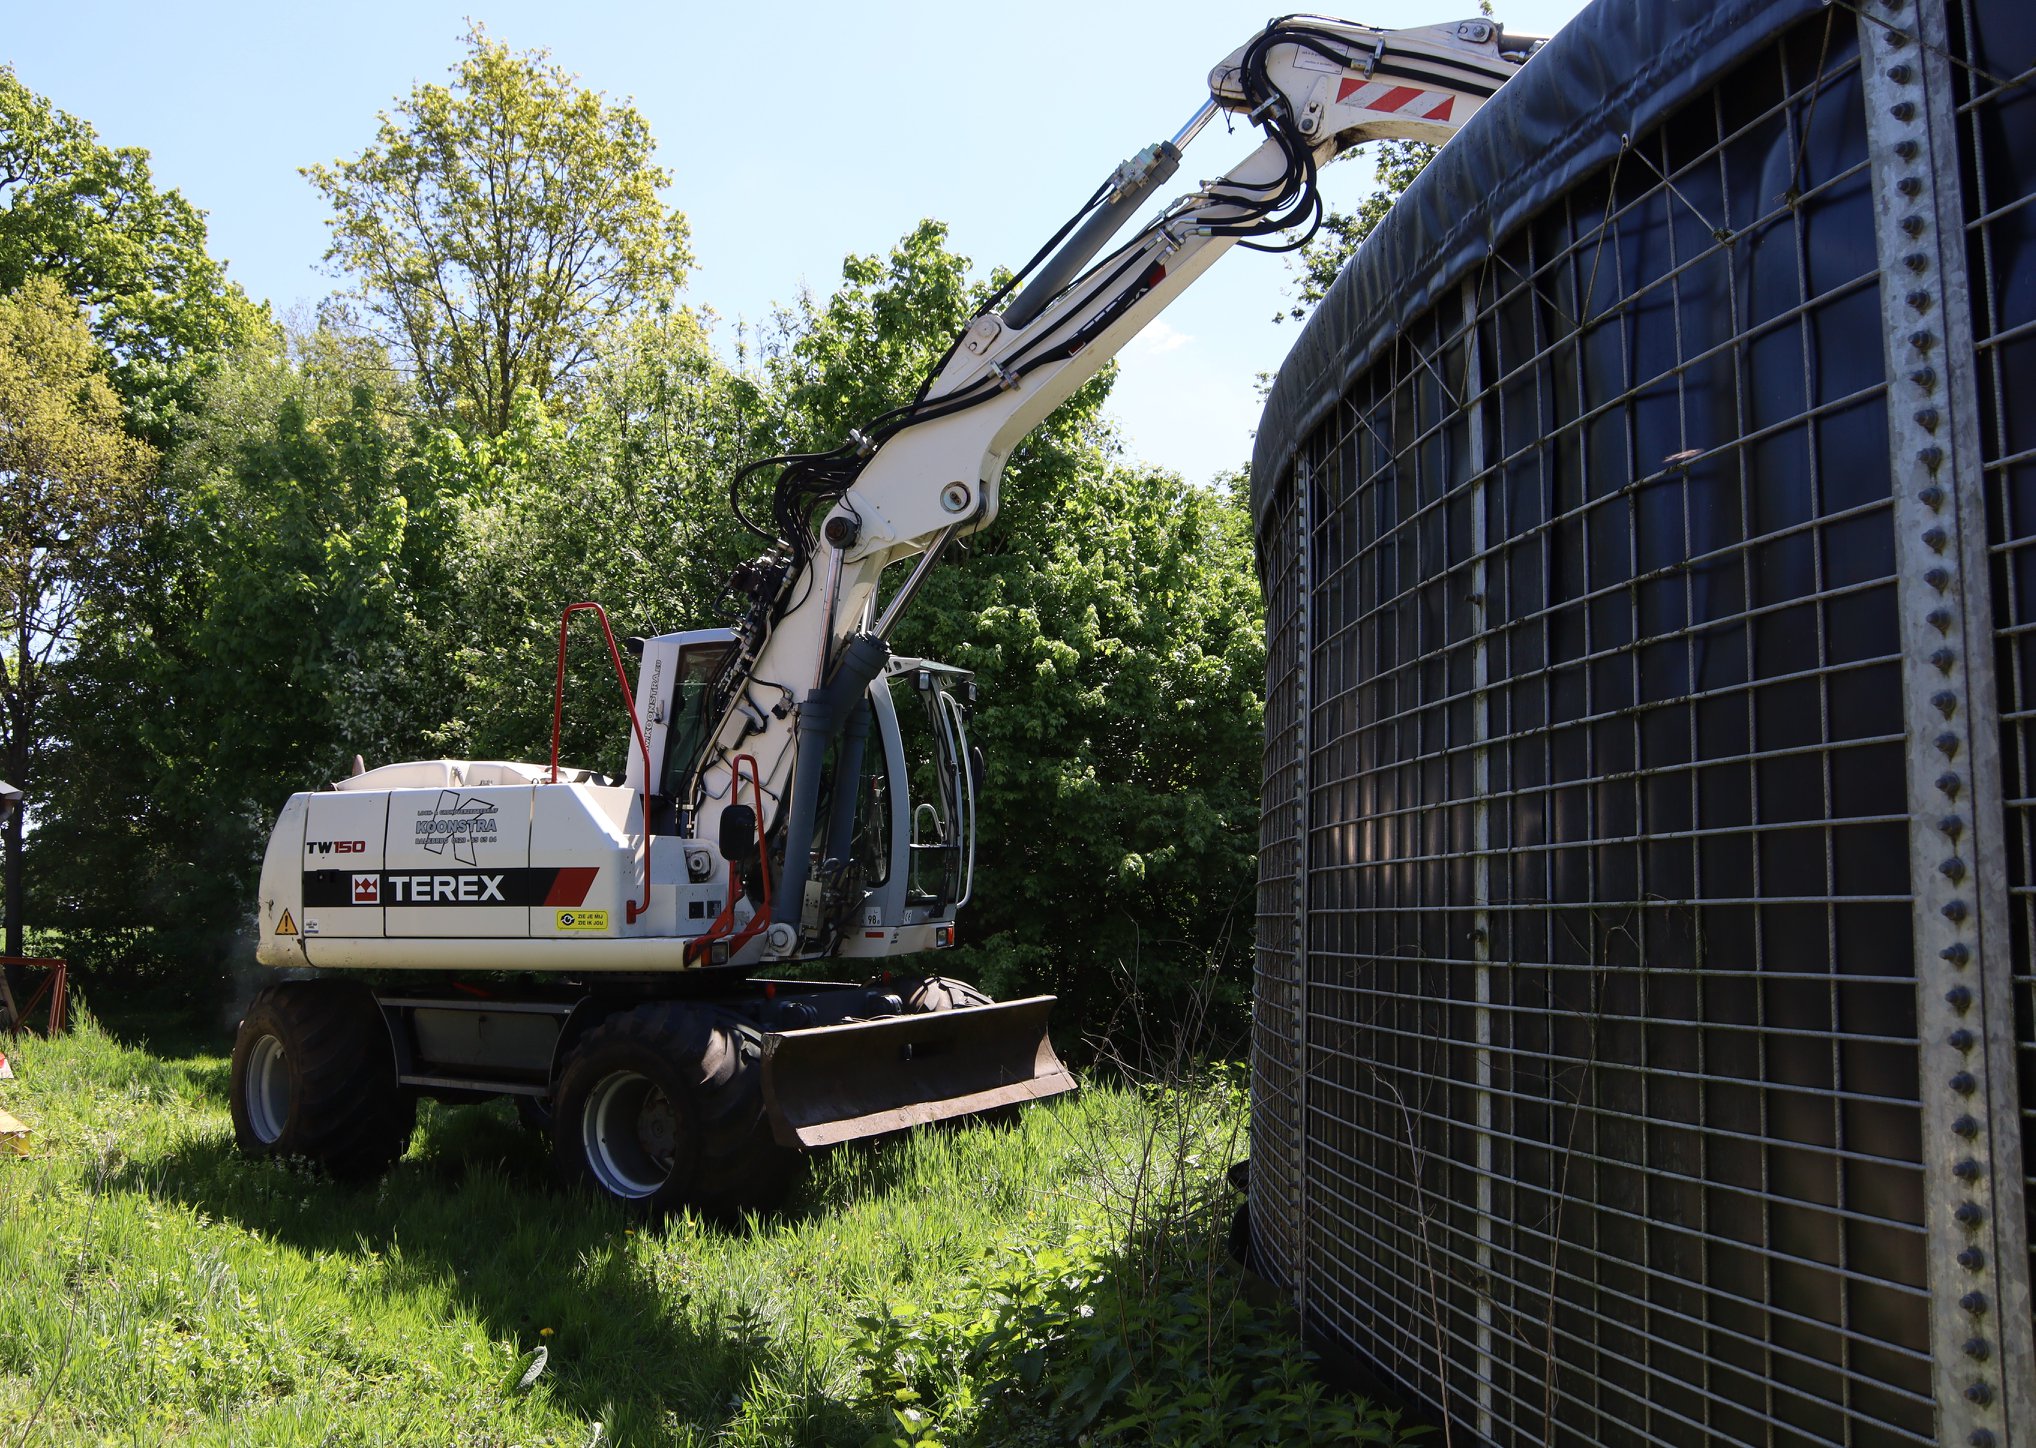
x=1613, y=72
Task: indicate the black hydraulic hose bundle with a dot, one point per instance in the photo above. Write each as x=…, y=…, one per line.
x=822, y=715
x=808, y=482
x=824, y=476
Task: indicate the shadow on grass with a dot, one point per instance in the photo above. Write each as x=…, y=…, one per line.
x=161, y=1017
x=653, y=1344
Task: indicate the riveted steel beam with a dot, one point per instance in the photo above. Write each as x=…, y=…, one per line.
x=1973, y=1210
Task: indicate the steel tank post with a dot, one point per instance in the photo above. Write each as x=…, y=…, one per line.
x=1304, y=518
x=1985, y=1374
x=1481, y=837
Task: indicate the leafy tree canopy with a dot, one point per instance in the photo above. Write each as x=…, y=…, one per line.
x=1113, y=618
x=69, y=478
x=133, y=256
x=268, y=631
x=497, y=225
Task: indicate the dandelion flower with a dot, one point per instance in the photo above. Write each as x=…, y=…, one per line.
x=544, y=1332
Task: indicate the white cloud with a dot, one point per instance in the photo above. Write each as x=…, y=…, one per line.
x=1158, y=339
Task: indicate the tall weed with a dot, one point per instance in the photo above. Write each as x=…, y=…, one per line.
x=1134, y=1327
x=1059, y=1278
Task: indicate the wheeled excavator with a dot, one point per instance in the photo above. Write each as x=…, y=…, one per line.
x=619, y=955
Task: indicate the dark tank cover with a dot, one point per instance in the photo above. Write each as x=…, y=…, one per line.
x=1614, y=72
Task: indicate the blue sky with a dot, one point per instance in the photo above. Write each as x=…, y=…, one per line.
x=795, y=133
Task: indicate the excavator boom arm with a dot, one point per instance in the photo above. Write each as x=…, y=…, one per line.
x=914, y=478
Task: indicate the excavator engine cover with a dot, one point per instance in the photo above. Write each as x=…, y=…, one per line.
x=830, y=1084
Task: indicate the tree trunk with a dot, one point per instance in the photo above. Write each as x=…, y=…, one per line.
x=14, y=920
x=17, y=764
x=15, y=756
x=9, y=1014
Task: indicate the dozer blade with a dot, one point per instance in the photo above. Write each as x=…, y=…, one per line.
x=830, y=1084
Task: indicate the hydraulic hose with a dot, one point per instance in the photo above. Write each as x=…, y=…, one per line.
x=1126, y=199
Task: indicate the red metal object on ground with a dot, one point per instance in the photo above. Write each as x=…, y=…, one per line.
x=56, y=985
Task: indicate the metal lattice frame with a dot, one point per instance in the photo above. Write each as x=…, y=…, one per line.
x=1640, y=1064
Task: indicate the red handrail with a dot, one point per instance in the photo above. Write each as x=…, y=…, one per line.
x=725, y=921
x=558, y=713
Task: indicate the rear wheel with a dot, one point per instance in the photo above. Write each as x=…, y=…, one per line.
x=661, y=1107
x=314, y=1077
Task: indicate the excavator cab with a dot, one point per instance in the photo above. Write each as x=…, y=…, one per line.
x=904, y=784
x=941, y=848
x=895, y=839
x=907, y=864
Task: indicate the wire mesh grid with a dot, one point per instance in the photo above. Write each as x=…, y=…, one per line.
x=1275, y=1098
x=1996, y=90
x=1610, y=1129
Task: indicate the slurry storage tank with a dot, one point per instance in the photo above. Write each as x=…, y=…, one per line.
x=1648, y=528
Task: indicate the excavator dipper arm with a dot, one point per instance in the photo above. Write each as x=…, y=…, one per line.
x=921, y=474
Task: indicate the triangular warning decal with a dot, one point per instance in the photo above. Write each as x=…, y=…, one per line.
x=286, y=926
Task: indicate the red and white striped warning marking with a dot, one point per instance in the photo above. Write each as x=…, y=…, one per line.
x=1404, y=100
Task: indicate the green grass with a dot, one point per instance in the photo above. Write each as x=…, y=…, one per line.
x=157, y=1287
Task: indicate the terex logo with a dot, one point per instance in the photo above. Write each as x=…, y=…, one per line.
x=335, y=847
x=445, y=889
x=327, y=886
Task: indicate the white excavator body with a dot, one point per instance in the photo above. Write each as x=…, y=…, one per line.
x=793, y=791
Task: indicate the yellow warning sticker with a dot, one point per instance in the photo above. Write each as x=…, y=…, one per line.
x=583, y=919
x=286, y=926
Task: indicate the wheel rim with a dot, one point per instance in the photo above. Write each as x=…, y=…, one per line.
x=631, y=1132
x=268, y=1090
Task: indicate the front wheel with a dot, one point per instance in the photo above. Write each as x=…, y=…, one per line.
x=314, y=1077
x=661, y=1107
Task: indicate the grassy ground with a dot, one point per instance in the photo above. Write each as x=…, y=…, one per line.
x=154, y=1286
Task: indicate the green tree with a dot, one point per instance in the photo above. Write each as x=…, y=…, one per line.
x=268, y=633
x=334, y=577
x=132, y=256
x=497, y=225
x=70, y=477
x=1116, y=629
x=1113, y=618
x=626, y=504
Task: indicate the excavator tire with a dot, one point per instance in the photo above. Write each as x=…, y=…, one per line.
x=938, y=993
x=941, y=993
x=314, y=1078
x=661, y=1108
